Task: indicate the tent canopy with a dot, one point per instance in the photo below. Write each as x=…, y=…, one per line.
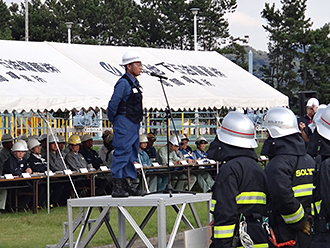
x=42, y=76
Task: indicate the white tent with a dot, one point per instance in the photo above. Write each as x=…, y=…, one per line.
x=52, y=76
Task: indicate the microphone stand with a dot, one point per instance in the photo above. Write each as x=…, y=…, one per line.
x=169, y=188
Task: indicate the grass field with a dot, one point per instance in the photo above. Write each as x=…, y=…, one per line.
x=33, y=231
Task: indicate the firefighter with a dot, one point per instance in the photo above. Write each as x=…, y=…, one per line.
x=125, y=112
x=321, y=237
x=290, y=179
x=240, y=189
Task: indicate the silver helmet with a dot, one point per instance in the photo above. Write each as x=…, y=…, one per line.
x=281, y=122
x=237, y=130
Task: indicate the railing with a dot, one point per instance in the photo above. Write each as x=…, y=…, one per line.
x=192, y=123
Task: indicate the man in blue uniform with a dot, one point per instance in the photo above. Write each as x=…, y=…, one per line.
x=240, y=188
x=290, y=179
x=125, y=112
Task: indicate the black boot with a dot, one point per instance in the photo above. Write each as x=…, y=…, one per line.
x=118, y=187
x=133, y=191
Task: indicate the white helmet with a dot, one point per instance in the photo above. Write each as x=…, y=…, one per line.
x=52, y=139
x=319, y=112
x=143, y=138
x=182, y=136
x=281, y=122
x=130, y=57
x=20, y=146
x=237, y=130
x=33, y=143
x=323, y=123
x=200, y=139
x=174, y=140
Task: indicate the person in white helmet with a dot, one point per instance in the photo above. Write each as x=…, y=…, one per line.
x=125, y=112
x=290, y=179
x=37, y=164
x=204, y=179
x=35, y=161
x=16, y=165
x=179, y=178
x=303, y=122
x=240, y=189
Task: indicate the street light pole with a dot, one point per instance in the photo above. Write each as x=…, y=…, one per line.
x=69, y=25
x=26, y=20
x=195, y=12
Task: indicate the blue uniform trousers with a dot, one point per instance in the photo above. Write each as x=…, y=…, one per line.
x=126, y=147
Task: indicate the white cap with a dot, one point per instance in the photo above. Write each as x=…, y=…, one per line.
x=312, y=101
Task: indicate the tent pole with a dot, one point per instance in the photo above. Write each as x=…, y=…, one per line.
x=48, y=179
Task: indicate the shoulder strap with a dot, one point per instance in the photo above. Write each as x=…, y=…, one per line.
x=129, y=80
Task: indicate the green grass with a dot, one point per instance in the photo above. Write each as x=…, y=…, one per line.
x=27, y=230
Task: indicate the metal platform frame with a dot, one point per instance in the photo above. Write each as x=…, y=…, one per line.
x=154, y=201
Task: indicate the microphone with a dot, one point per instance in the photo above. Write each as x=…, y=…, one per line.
x=159, y=76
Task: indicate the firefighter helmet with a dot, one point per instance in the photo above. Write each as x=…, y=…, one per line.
x=281, y=122
x=237, y=130
x=323, y=123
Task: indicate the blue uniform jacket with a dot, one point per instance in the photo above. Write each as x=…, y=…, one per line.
x=121, y=92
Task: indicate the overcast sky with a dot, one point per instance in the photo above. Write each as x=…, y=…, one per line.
x=246, y=20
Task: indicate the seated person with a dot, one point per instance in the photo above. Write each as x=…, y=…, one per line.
x=35, y=161
x=60, y=191
x=89, y=154
x=106, y=147
x=7, y=144
x=37, y=164
x=144, y=160
x=61, y=145
x=74, y=159
x=43, y=141
x=200, y=152
x=179, y=178
x=150, y=149
x=16, y=165
x=204, y=179
x=109, y=155
x=185, y=151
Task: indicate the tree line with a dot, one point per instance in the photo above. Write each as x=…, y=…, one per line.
x=298, y=57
